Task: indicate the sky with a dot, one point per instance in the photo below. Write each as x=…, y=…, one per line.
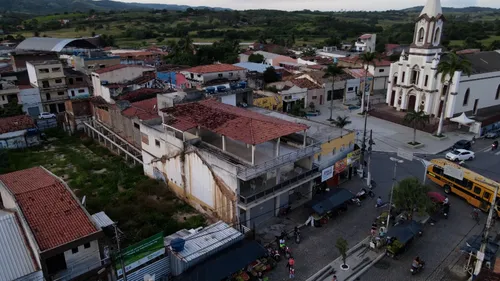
x=322, y=5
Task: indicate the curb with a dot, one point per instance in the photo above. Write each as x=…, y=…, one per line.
x=365, y=269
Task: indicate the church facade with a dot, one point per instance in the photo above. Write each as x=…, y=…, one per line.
x=415, y=85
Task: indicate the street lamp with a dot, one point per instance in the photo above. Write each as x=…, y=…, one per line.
x=396, y=161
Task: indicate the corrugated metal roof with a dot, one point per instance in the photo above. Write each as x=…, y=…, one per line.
x=102, y=219
x=258, y=67
x=48, y=44
x=15, y=260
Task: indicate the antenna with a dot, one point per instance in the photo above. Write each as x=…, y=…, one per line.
x=84, y=199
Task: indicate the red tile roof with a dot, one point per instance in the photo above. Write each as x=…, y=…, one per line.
x=132, y=95
x=214, y=68
x=390, y=47
x=381, y=63
x=51, y=211
x=305, y=83
x=144, y=110
x=16, y=123
x=358, y=72
x=365, y=36
x=234, y=122
x=110, y=68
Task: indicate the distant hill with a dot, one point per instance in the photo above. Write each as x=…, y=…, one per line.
x=41, y=7
x=418, y=9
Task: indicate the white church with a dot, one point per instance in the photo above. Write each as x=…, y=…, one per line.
x=413, y=84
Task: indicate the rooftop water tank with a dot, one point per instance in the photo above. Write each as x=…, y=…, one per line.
x=177, y=244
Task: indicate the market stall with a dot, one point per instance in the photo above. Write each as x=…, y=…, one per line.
x=325, y=204
x=241, y=262
x=400, y=236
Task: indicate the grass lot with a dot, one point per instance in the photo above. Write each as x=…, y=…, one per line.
x=141, y=206
x=486, y=42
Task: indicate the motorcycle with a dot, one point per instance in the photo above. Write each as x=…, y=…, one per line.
x=297, y=236
x=288, y=252
x=415, y=270
x=494, y=145
x=276, y=255
x=446, y=210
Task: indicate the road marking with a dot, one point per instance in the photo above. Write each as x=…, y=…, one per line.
x=498, y=153
x=486, y=149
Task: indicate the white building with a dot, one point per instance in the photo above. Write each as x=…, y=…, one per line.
x=29, y=98
x=199, y=75
x=55, y=227
x=414, y=82
x=366, y=43
x=380, y=71
x=48, y=77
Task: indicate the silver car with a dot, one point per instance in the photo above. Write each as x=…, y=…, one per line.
x=493, y=134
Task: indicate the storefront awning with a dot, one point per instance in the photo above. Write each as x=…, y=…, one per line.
x=226, y=262
x=462, y=119
x=322, y=203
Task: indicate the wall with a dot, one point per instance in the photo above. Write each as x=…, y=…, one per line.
x=316, y=96
x=83, y=256
x=78, y=92
x=14, y=140
x=32, y=74
x=327, y=148
x=29, y=98
x=206, y=77
x=123, y=74
x=271, y=103
x=482, y=87
x=351, y=91
x=262, y=212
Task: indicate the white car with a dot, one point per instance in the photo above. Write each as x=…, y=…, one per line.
x=460, y=155
x=46, y=115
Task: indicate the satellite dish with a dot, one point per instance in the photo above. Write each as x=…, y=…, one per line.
x=84, y=199
x=148, y=277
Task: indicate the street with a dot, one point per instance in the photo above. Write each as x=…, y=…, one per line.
x=439, y=245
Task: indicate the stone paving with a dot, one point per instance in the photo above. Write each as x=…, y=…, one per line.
x=389, y=136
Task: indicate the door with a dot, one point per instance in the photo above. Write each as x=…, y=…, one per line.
x=411, y=102
x=393, y=96
x=475, y=107
x=321, y=99
x=34, y=111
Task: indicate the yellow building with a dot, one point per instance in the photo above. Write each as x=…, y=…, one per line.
x=268, y=102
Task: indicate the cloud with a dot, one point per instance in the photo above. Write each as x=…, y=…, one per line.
x=322, y=5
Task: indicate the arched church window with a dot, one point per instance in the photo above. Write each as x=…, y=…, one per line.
x=437, y=34
x=466, y=97
x=421, y=35
x=415, y=73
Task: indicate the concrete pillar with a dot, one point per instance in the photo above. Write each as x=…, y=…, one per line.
x=278, y=147
x=404, y=100
x=428, y=103
x=248, y=221
x=389, y=93
x=305, y=139
x=253, y=154
x=310, y=193
x=418, y=102
x=277, y=206
x=396, y=98
x=223, y=143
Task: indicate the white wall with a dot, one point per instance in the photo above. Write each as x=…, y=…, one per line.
x=305, y=62
x=231, y=100
x=30, y=97
x=482, y=87
x=206, y=77
x=32, y=74
x=77, y=93
x=83, y=256
x=123, y=74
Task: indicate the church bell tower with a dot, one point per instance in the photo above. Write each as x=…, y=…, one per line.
x=428, y=29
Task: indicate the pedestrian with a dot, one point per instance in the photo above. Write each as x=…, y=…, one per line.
x=335, y=278
x=291, y=262
x=292, y=272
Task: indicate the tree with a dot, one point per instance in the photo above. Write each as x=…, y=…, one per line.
x=332, y=71
x=416, y=120
x=270, y=75
x=341, y=122
x=343, y=247
x=368, y=58
x=257, y=58
x=12, y=108
x=309, y=52
x=447, y=68
x=495, y=45
x=410, y=195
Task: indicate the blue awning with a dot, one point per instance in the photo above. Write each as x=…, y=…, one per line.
x=405, y=232
x=333, y=199
x=226, y=262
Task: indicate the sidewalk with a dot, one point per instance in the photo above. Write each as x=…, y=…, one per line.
x=388, y=136
x=359, y=258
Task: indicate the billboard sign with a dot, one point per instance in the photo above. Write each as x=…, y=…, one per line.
x=140, y=253
x=327, y=173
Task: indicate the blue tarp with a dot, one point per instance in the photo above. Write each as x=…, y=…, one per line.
x=405, y=232
x=333, y=199
x=473, y=244
x=226, y=262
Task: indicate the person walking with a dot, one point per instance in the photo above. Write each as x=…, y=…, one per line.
x=335, y=278
x=291, y=262
x=292, y=272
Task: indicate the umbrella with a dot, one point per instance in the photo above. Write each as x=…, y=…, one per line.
x=436, y=197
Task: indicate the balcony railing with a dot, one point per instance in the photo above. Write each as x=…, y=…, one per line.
x=53, y=87
x=309, y=175
x=246, y=173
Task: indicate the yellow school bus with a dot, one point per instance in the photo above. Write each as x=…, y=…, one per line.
x=471, y=188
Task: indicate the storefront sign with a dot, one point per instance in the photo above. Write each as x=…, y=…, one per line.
x=327, y=174
x=340, y=166
x=140, y=253
x=353, y=157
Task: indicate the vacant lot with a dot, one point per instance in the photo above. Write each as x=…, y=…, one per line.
x=141, y=206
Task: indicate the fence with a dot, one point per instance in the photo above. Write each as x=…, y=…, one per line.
x=44, y=124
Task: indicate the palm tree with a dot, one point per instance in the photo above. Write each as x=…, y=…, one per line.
x=368, y=58
x=186, y=44
x=447, y=68
x=341, y=122
x=332, y=71
x=416, y=120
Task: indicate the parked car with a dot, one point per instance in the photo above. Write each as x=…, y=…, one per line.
x=493, y=134
x=460, y=155
x=462, y=144
x=46, y=115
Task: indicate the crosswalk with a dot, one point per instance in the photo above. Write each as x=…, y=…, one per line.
x=488, y=149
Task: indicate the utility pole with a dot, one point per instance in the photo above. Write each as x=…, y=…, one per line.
x=484, y=242
x=369, y=175
x=120, y=252
x=396, y=161
x=363, y=146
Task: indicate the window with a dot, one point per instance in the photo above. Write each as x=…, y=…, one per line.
x=220, y=75
x=477, y=190
x=137, y=126
x=334, y=151
x=437, y=170
x=145, y=138
x=395, y=80
x=230, y=74
x=486, y=195
x=70, y=81
x=497, y=96
x=86, y=245
x=72, y=93
x=74, y=250
x=60, y=93
x=421, y=32
x=56, y=69
x=3, y=97
x=47, y=96
x=45, y=84
x=319, y=157
x=79, y=79
x=314, y=97
x=437, y=35
x=43, y=70
x=466, y=97
x=414, y=75
x=403, y=77
x=81, y=91
x=157, y=143
x=58, y=81
x=426, y=80
x=350, y=89
x=381, y=70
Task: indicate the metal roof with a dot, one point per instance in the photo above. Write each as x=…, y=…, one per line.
x=258, y=67
x=15, y=260
x=208, y=239
x=102, y=220
x=47, y=44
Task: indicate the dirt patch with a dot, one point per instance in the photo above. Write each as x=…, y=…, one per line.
x=182, y=217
